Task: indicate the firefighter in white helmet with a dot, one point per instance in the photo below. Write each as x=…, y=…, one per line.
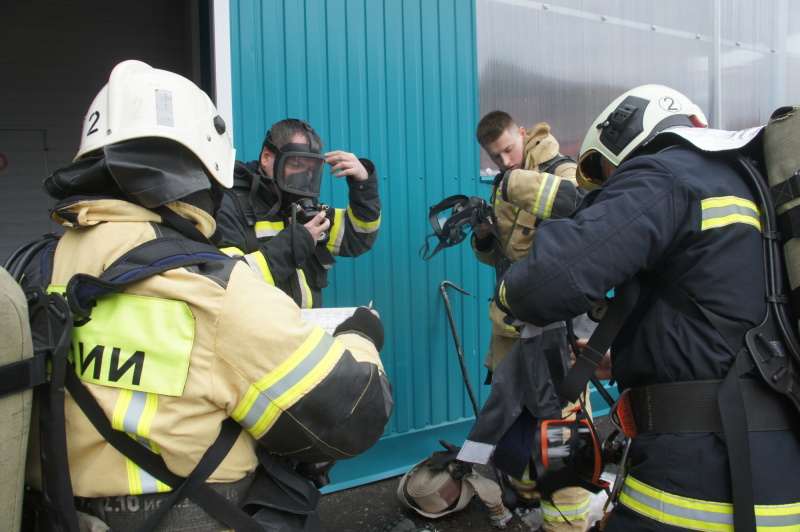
x=675, y=230
x=173, y=357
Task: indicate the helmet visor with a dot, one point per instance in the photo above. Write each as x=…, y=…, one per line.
x=590, y=169
x=300, y=173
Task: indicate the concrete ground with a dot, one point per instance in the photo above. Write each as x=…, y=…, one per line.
x=374, y=507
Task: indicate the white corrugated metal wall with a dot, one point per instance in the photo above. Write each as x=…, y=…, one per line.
x=55, y=56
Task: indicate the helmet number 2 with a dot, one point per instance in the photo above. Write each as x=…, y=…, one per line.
x=93, y=118
x=669, y=104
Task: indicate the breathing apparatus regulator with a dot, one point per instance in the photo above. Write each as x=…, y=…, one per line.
x=453, y=218
x=297, y=174
x=567, y=452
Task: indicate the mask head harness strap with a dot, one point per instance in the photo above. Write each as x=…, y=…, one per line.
x=451, y=229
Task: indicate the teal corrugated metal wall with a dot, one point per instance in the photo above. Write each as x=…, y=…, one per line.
x=394, y=81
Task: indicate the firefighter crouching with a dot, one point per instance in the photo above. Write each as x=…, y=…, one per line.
x=173, y=356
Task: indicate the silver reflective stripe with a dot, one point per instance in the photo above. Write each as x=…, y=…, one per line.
x=164, y=114
x=360, y=226
x=251, y=261
x=286, y=382
x=546, y=196
x=130, y=423
x=727, y=210
x=133, y=414
x=266, y=232
x=306, y=297
x=701, y=515
x=266, y=228
x=555, y=512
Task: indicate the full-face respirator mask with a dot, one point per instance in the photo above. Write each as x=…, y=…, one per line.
x=297, y=174
x=453, y=218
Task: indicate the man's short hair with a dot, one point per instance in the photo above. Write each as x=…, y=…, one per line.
x=282, y=132
x=492, y=125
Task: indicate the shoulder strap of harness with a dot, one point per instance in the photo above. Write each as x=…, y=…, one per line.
x=51, y=326
x=551, y=165
x=589, y=359
x=25, y=374
x=192, y=486
x=144, y=261
x=245, y=203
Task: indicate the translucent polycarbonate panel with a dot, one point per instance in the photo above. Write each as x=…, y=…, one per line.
x=759, y=60
x=563, y=61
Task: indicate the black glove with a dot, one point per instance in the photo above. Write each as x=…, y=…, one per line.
x=363, y=322
x=441, y=459
x=498, y=178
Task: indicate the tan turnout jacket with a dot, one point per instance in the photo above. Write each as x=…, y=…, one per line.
x=234, y=346
x=544, y=196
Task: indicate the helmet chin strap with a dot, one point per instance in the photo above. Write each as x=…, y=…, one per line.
x=180, y=224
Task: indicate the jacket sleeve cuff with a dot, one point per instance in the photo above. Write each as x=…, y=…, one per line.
x=505, y=179
x=482, y=245
x=372, y=179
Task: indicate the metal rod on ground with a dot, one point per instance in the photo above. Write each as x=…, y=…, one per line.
x=443, y=290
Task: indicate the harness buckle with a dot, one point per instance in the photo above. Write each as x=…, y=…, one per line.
x=621, y=415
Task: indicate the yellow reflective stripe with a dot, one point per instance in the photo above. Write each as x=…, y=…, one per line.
x=552, y=512
x=545, y=196
x=502, y=294
x=258, y=263
x=286, y=383
x=702, y=515
x=134, y=480
x=337, y=232
x=361, y=226
x=133, y=414
x=306, y=297
x=266, y=229
x=727, y=210
x=232, y=251
x=118, y=418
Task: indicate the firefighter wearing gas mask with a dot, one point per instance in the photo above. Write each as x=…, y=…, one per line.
x=675, y=230
x=273, y=219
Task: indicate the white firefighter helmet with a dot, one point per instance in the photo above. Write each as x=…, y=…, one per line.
x=141, y=101
x=630, y=122
x=433, y=494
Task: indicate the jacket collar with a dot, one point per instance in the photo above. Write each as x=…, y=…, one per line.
x=84, y=211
